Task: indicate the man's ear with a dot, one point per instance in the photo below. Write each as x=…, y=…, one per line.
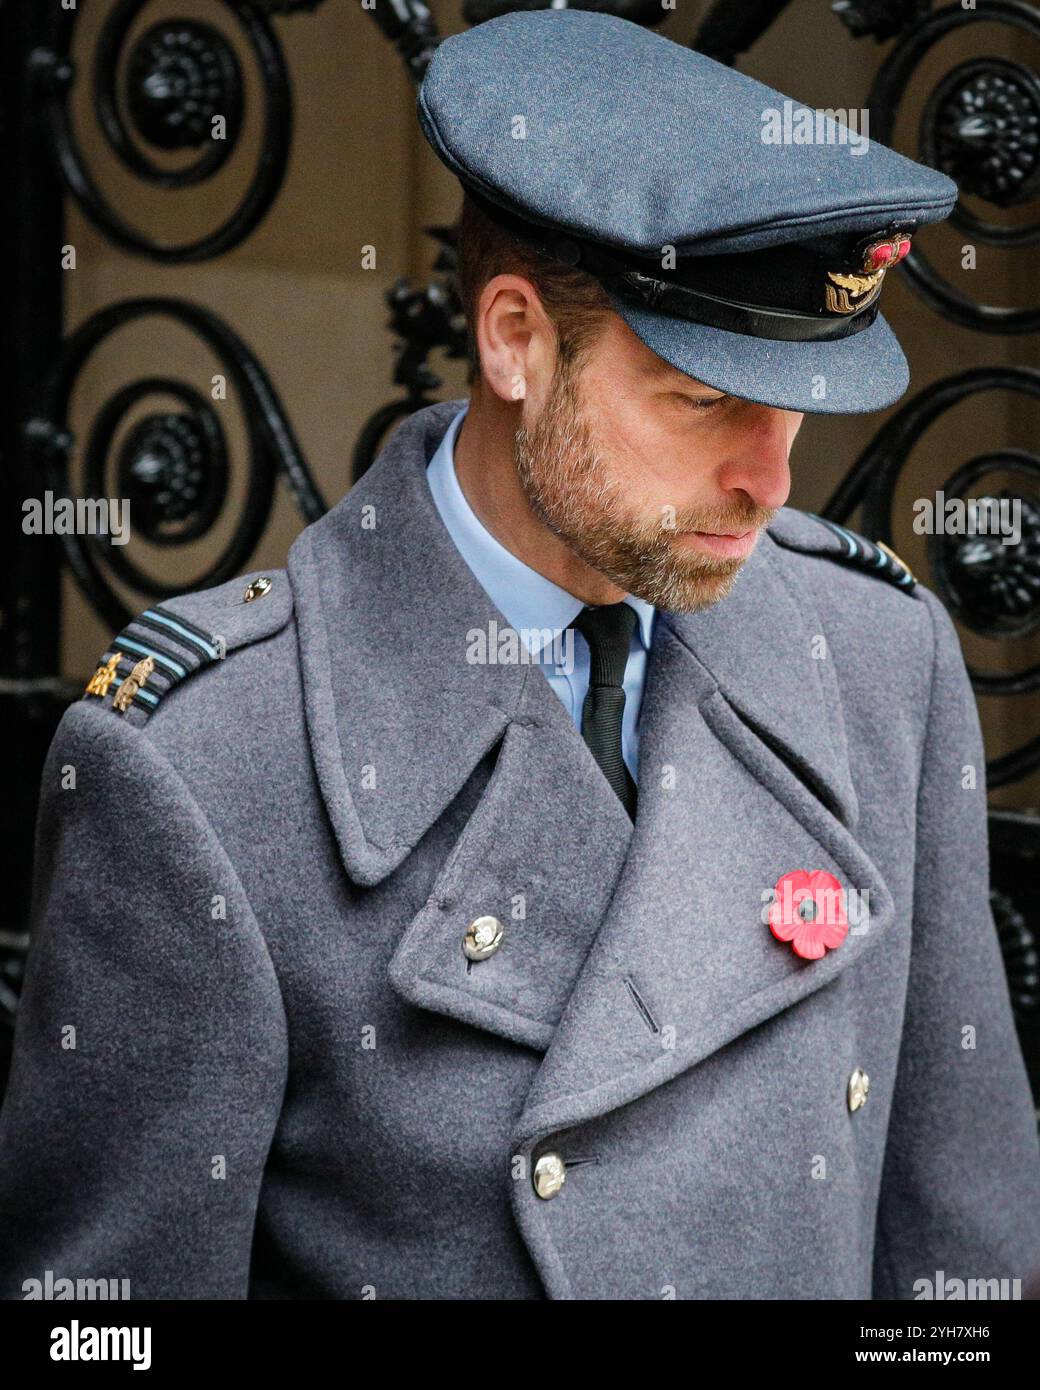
x=514, y=336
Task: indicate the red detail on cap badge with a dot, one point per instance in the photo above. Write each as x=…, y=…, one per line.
x=849, y=291
x=882, y=255
x=809, y=912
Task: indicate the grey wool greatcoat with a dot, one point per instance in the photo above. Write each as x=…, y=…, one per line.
x=288, y=1080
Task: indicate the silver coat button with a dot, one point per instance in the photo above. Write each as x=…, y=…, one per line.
x=549, y=1174
x=483, y=938
x=257, y=589
x=859, y=1087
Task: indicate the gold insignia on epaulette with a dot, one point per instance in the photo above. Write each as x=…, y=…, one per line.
x=124, y=696
x=103, y=676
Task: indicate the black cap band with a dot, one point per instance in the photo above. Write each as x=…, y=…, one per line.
x=756, y=320
x=622, y=276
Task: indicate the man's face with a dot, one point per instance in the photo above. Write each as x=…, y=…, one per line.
x=655, y=480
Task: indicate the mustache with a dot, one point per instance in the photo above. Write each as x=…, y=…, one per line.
x=722, y=521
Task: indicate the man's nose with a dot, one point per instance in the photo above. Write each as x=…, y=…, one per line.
x=757, y=461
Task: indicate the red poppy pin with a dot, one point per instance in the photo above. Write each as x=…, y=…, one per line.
x=809, y=912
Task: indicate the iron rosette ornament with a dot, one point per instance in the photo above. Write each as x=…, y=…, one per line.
x=980, y=125
x=159, y=446
x=986, y=572
x=170, y=100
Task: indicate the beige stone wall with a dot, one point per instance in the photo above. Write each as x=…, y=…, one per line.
x=361, y=173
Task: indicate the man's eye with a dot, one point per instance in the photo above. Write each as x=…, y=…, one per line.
x=704, y=402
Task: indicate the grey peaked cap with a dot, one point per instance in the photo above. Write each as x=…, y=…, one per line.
x=632, y=144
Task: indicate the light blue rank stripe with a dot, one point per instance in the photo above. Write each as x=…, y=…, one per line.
x=160, y=658
x=882, y=559
x=192, y=638
x=854, y=546
x=146, y=695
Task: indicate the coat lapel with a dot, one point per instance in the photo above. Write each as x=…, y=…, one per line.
x=744, y=776
x=399, y=720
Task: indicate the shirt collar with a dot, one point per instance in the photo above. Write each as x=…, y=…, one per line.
x=529, y=601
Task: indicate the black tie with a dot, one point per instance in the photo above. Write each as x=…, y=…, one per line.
x=608, y=631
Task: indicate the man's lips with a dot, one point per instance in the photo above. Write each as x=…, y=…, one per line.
x=729, y=544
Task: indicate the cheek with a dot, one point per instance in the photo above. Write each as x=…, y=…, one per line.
x=666, y=467
x=641, y=454
x=644, y=431
x=623, y=432
x=678, y=451
x=614, y=413
x=657, y=452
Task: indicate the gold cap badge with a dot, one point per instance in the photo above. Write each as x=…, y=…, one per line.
x=851, y=291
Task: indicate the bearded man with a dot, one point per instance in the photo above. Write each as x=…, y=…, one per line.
x=658, y=963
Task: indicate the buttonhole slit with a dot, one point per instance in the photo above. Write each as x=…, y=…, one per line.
x=641, y=1005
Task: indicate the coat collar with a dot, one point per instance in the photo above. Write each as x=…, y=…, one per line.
x=765, y=649
x=397, y=714
x=399, y=717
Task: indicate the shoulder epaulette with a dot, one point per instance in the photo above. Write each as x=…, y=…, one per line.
x=167, y=643
x=816, y=535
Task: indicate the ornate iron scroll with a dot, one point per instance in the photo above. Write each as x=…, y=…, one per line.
x=981, y=127
x=992, y=588
x=180, y=78
x=172, y=466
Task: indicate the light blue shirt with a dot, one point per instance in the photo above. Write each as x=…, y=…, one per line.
x=539, y=610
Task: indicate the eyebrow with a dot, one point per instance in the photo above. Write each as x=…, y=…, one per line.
x=664, y=372
x=660, y=369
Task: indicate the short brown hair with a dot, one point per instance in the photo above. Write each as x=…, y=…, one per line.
x=574, y=301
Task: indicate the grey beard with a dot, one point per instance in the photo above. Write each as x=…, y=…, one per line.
x=568, y=485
